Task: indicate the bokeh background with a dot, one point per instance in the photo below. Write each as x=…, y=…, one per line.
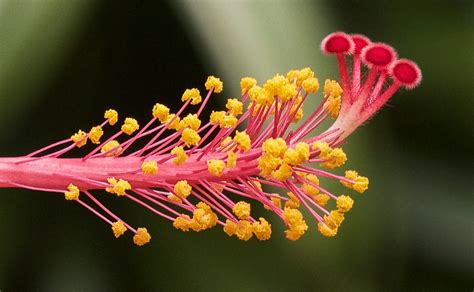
x=63, y=62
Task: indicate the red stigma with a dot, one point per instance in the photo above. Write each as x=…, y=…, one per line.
x=337, y=43
x=378, y=55
x=406, y=73
x=360, y=42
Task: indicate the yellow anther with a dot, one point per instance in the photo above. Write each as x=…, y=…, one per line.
x=112, y=116
x=293, y=202
x=298, y=155
x=173, y=122
x=361, y=183
x=80, y=138
x=161, y=112
x=298, y=115
x=275, y=85
x=234, y=106
x=226, y=141
x=190, y=137
x=283, y=172
x=182, y=222
x=297, y=224
x=230, y=227
x=310, y=85
x=215, y=167
x=287, y=92
x=274, y=147
x=275, y=201
x=95, y=134
x=174, y=198
x=309, y=189
x=203, y=217
x=118, y=228
x=112, y=144
x=321, y=199
x=334, y=219
x=260, y=96
x=214, y=83
x=182, y=189
x=244, y=230
x=130, y=126
x=333, y=105
x=142, y=236
x=192, y=94
x=243, y=140
x=150, y=167
x=242, y=210
x=229, y=121
x=181, y=156
x=337, y=158
x=72, y=193
x=332, y=88
x=268, y=163
x=299, y=76
x=118, y=187
x=262, y=229
x=246, y=83
x=326, y=230
x=305, y=73
x=217, y=116
x=344, y=203
x=231, y=159
x=192, y=121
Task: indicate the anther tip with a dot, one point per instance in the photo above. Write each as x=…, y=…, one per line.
x=337, y=43
x=406, y=73
x=378, y=55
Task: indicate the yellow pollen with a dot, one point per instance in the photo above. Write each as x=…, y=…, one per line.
x=309, y=189
x=72, y=193
x=112, y=144
x=161, y=112
x=174, y=198
x=95, y=134
x=275, y=201
x=190, y=137
x=182, y=222
x=130, y=126
x=216, y=167
x=234, y=106
x=310, y=85
x=344, y=203
x=192, y=121
x=118, y=228
x=262, y=229
x=142, y=236
x=326, y=230
x=274, y=147
x=246, y=83
x=244, y=230
x=361, y=183
x=181, y=156
x=231, y=159
x=243, y=140
x=149, y=167
x=230, y=227
x=297, y=225
x=268, y=163
x=333, y=105
x=214, y=83
x=192, y=94
x=118, y=187
x=293, y=202
x=173, y=122
x=112, y=116
x=182, y=189
x=80, y=138
x=321, y=199
x=203, y=217
x=242, y=210
x=334, y=219
x=332, y=88
x=283, y=172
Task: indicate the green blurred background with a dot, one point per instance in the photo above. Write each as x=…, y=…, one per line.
x=63, y=62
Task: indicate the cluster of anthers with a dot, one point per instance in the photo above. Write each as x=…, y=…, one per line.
x=201, y=173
